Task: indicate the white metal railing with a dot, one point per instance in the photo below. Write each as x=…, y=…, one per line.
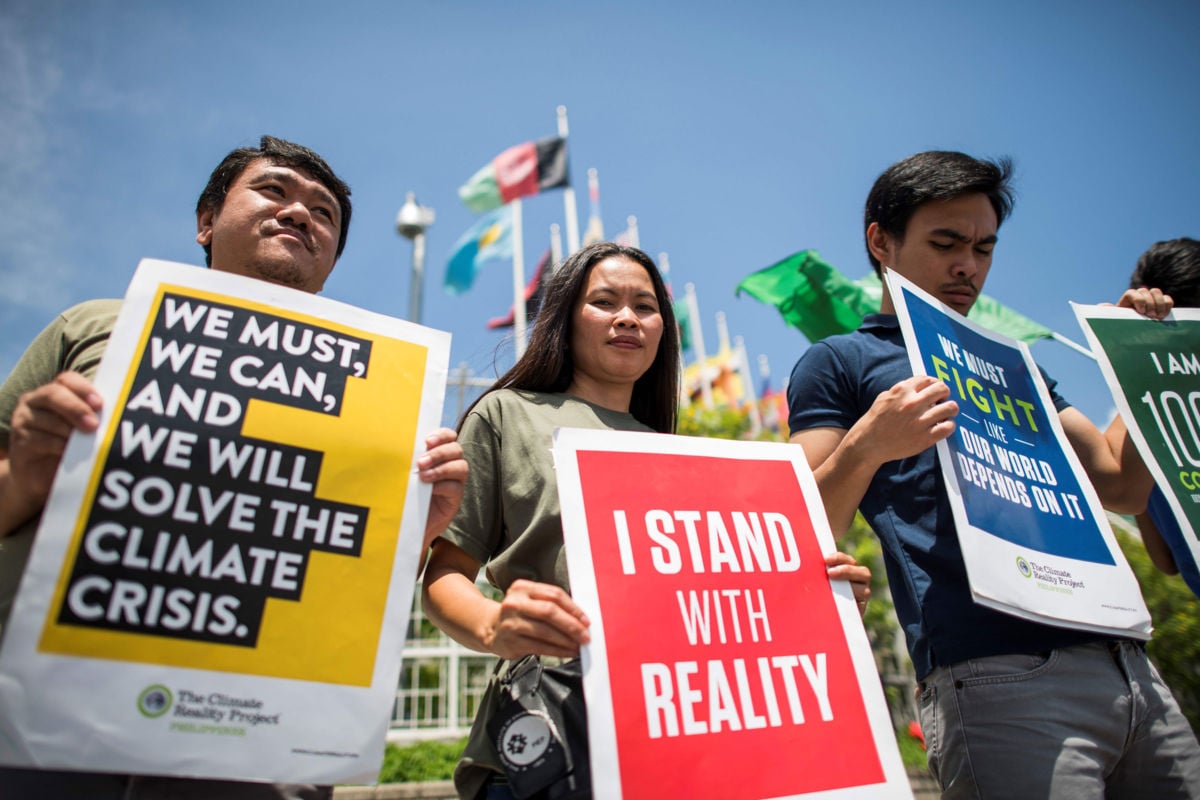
x=441, y=682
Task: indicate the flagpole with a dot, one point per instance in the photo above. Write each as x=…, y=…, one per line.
x=724, y=350
x=595, y=226
x=664, y=269
x=555, y=246
x=693, y=305
x=518, y=279
x=764, y=372
x=743, y=366
x=722, y=334
x=569, y=210
x=769, y=417
x=1058, y=337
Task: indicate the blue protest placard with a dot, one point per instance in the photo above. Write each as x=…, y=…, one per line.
x=1034, y=537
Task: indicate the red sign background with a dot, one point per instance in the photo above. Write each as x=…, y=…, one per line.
x=643, y=624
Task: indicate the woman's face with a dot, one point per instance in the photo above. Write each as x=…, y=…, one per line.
x=616, y=325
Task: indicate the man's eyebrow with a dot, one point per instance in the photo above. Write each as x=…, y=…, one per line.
x=290, y=176
x=951, y=233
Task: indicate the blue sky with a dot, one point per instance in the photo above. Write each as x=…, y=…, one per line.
x=737, y=134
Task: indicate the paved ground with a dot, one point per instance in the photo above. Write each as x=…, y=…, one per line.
x=923, y=788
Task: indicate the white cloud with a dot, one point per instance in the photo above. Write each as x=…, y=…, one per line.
x=34, y=269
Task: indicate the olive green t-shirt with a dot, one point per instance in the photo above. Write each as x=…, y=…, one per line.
x=509, y=519
x=74, y=341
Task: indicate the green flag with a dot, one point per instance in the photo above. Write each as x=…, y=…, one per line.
x=683, y=319
x=993, y=316
x=818, y=300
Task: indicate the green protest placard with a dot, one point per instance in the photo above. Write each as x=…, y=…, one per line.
x=1153, y=371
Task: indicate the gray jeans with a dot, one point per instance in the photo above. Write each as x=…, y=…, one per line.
x=1091, y=721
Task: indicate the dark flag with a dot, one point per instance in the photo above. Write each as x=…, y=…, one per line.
x=533, y=296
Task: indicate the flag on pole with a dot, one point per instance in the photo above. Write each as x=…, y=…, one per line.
x=990, y=314
x=533, y=295
x=519, y=171
x=488, y=239
x=683, y=318
x=629, y=237
x=720, y=375
x=773, y=407
x=595, y=227
x=819, y=301
x=594, y=232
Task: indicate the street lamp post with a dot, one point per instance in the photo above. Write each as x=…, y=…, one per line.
x=411, y=223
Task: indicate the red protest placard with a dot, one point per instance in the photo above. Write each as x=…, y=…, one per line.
x=722, y=659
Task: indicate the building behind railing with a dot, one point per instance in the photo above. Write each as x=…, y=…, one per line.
x=441, y=683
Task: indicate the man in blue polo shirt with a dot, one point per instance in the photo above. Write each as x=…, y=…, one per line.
x=1009, y=708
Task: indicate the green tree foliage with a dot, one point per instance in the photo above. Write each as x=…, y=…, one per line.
x=887, y=640
x=423, y=761
x=1175, y=612
x=722, y=422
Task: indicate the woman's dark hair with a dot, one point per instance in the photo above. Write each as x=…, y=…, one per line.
x=547, y=365
x=281, y=153
x=935, y=175
x=1174, y=267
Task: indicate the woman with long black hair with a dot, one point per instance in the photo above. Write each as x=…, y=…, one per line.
x=604, y=354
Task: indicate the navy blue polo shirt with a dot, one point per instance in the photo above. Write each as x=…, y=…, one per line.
x=833, y=384
x=1163, y=518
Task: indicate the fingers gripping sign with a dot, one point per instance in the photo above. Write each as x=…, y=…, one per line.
x=41, y=424
x=443, y=466
x=843, y=567
x=1148, y=302
x=538, y=618
x=909, y=418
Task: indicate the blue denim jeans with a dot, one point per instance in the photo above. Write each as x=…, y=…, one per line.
x=1091, y=721
x=498, y=789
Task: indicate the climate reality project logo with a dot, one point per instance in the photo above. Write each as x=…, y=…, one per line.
x=154, y=701
x=1048, y=578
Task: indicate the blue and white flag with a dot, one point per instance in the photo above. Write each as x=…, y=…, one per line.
x=488, y=239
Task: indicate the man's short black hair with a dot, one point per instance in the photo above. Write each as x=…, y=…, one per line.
x=929, y=176
x=284, y=154
x=1174, y=267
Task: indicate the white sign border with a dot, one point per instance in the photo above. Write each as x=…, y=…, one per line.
x=584, y=590
x=360, y=714
x=981, y=546
x=1085, y=313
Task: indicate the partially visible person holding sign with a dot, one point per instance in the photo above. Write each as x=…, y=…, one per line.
x=604, y=354
x=1170, y=268
x=868, y=428
x=277, y=213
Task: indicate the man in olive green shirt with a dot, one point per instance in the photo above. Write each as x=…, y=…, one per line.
x=276, y=213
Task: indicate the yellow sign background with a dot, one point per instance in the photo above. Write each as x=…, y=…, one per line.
x=332, y=633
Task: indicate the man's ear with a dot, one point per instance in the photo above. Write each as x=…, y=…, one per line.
x=880, y=243
x=204, y=227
